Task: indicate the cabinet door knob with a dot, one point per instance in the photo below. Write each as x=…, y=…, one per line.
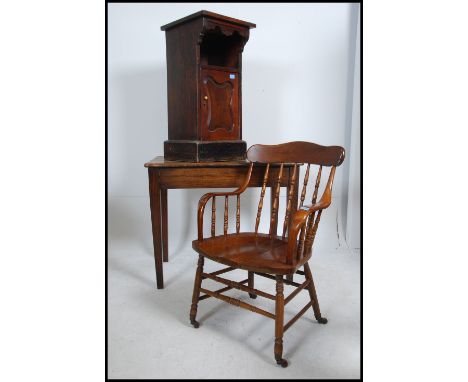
x=205, y=98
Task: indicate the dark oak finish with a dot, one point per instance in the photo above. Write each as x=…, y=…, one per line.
x=212, y=15
x=204, y=87
x=155, y=204
x=220, y=105
x=267, y=254
x=204, y=151
x=164, y=224
x=164, y=175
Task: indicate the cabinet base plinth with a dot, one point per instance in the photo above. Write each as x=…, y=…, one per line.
x=204, y=151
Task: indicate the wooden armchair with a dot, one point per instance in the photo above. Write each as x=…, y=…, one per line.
x=269, y=255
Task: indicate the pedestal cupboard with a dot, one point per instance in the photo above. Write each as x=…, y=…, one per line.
x=204, y=87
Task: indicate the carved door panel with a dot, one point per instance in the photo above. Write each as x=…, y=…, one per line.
x=219, y=105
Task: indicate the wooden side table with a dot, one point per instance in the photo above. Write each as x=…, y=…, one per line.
x=164, y=175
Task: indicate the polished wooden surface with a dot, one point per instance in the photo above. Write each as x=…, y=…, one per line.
x=251, y=251
x=220, y=105
x=267, y=254
x=182, y=100
x=159, y=161
x=211, y=15
x=165, y=175
x=302, y=152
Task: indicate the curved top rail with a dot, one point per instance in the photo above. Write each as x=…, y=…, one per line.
x=297, y=152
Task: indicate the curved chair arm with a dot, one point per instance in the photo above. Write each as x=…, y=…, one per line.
x=297, y=222
x=204, y=199
x=300, y=216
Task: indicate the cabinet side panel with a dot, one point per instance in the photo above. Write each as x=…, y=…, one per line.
x=240, y=95
x=182, y=80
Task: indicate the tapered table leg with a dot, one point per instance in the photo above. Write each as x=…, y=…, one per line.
x=165, y=243
x=155, y=203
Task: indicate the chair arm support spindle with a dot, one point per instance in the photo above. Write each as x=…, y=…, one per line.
x=206, y=197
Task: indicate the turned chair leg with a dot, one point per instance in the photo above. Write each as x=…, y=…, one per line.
x=196, y=292
x=251, y=284
x=313, y=295
x=279, y=320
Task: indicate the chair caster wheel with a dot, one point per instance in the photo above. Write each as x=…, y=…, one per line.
x=252, y=295
x=322, y=320
x=195, y=324
x=282, y=362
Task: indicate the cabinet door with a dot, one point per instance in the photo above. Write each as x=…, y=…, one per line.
x=219, y=105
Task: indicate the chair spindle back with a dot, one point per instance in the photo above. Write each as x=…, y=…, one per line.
x=275, y=205
x=262, y=194
x=296, y=153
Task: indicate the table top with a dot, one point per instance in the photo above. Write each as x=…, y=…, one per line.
x=159, y=161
